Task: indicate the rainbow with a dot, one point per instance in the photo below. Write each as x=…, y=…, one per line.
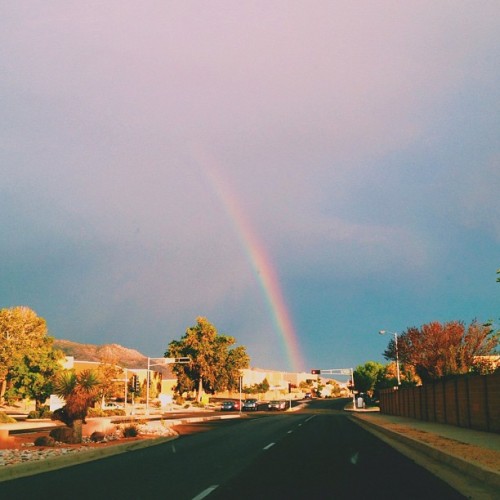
x=261, y=264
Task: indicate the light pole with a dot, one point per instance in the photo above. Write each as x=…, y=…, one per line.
x=383, y=332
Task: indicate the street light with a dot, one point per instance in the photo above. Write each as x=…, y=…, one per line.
x=383, y=332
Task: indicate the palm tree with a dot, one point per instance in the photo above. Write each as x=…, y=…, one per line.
x=80, y=391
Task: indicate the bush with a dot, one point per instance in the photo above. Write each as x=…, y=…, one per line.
x=130, y=431
x=5, y=419
x=62, y=415
x=98, y=412
x=117, y=412
x=45, y=441
x=95, y=412
x=42, y=412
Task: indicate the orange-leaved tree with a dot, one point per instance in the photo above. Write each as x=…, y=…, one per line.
x=437, y=349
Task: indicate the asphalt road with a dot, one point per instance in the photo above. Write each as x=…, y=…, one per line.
x=315, y=453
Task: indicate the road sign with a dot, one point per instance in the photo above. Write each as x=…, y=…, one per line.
x=333, y=371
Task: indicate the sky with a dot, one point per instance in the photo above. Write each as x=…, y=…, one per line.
x=302, y=174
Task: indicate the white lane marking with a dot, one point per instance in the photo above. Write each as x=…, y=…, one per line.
x=300, y=425
x=269, y=446
x=310, y=418
x=173, y=449
x=289, y=432
x=206, y=492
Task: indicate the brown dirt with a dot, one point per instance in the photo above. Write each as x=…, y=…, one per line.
x=22, y=441
x=489, y=458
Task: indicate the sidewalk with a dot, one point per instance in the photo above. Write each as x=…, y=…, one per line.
x=470, y=459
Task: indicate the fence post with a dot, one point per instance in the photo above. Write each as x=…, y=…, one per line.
x=486, y=403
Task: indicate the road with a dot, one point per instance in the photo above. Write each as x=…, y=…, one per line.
x=315, y=453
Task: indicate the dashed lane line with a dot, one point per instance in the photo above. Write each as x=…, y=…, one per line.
x=206, y=492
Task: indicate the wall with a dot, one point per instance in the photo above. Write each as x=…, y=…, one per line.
x=471, y=401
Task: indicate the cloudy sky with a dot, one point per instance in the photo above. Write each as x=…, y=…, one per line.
x=303, y=174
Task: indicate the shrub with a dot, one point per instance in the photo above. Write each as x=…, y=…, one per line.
x=115, y=412
x=62, y=415
x=45, y=441
x=95, y=412
x=130, y=431
x=42, y=412
x=5, y=419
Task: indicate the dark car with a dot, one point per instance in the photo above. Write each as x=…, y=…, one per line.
x=250, y=405
x=276, y=405
x=230, y=406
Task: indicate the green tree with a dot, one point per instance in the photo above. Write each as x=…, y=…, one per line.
x=79, y=391
x=437, y=350
x=367, y=375
x=214, y=365
x=24, y=346
x=260, y=388
x=33, y=376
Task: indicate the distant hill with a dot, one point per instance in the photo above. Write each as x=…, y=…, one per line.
x=128, y=358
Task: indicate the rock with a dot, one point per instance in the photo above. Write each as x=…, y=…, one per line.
x=63, y=435
x=97, y=437
x=45, y=441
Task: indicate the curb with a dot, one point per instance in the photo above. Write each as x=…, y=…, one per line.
x=481, y=473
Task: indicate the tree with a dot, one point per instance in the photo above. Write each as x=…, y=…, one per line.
x=24, y=347
x=214, y=365
x=111, y=378
x=437, y=350
x=260, y=388
x=33, y=376
x=367, y=375
x=80, y=391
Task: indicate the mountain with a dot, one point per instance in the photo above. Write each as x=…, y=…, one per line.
x=128, y=358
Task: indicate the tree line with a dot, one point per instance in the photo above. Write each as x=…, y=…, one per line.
x=431, y=352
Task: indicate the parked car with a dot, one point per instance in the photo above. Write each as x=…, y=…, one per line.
x=112, y=406
x=250, y=405
x=307, y=395
x=230, y=406
x=276, y=405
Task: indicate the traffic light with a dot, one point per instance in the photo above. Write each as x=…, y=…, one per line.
x=315, y=372
x=136, y=384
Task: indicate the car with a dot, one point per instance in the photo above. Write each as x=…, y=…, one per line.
x=250, y=405
x=276, y=405
x=230, y=406
x=307, y=395
x=112, y=406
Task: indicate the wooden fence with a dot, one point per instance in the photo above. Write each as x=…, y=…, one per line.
x=471, y=401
